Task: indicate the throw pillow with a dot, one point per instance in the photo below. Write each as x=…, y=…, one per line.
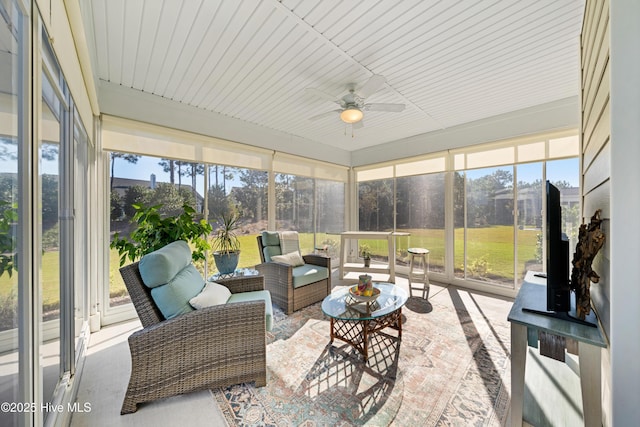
x=293, y=259
x=212, y=294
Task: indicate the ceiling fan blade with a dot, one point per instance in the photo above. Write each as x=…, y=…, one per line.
x=358, y=125
x=385, y=107
x=323, y=115
x=320, y=94
x=371, y=86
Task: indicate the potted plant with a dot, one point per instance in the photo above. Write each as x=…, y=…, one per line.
x=154, y=232
x=365, y=252
x=226, y=245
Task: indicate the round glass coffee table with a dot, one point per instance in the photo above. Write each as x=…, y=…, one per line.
x=353, y=321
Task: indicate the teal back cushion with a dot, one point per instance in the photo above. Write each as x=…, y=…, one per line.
x=270, y=251
x=271, y=244
x=270, y=238
x=173, y=298
x=159, y=267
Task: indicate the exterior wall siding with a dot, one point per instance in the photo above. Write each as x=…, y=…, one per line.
x=596, y=161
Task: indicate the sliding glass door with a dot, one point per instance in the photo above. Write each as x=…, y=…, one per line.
x=43, y=225
x=478, y=210
x=14, y=356
x=484, y=246
x=49, y=183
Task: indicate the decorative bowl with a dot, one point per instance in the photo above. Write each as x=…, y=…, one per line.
x=362, y=298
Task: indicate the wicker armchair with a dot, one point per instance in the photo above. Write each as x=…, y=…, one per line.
x=280, y=279
x=214, y=347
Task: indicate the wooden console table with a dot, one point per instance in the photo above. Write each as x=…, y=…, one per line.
x=389, y=268
x=524, y=325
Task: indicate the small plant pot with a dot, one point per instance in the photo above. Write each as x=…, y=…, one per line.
x=226, y=262
x=367, y=262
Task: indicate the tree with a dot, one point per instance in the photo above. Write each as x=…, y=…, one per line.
x=376, y=205
x=168, y=166
x=217, y=202
x=220, y=171
x=366, y=204
x=49, y=201
x=131, y=158
x=8, y=238
x=154, y=230
x=295, y=201
x=187, y=196
x=8, y=187
x=482, y=203
x=562, y=184
x=195, y=169
x=420, y=201
x=135, y=195
x=167, y=198
x=252, y=196
x=458, y=199
x=284, y=196
x=303, y=202
x=116, y=206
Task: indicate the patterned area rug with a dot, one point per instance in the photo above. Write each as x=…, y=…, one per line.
x=450, y=368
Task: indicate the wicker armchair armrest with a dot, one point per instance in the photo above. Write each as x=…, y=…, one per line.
x=318, y=260
x=278, y=280
x=243, y=283
x=277, y=268
x=200, y=328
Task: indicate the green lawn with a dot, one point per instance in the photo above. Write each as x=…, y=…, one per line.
x=495, y=246
x=50, y=279
x=491, y=244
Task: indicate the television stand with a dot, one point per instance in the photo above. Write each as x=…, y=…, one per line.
x=525, y=327
x=564, y=315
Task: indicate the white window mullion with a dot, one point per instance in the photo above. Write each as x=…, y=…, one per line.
x=515, y=226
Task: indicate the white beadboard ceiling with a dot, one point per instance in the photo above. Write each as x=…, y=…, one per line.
x=451, y=62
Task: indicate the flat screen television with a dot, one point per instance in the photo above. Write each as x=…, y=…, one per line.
x=557, y=261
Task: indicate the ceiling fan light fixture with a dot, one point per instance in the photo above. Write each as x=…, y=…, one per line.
x=351, y=115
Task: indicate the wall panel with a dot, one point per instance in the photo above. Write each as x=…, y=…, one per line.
x=597, y=172
x=596, y=104
x=598, y=138
x=596, y=162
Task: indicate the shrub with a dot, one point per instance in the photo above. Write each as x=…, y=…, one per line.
x=154, y=232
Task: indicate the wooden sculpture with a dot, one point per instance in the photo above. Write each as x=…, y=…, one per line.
x=590, y=240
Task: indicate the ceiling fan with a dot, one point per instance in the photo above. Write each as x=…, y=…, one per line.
x=352, y=105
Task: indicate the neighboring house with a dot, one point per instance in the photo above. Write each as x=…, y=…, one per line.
x=529, y=205
x=121, y=185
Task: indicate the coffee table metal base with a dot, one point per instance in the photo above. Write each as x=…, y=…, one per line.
x=358, y=332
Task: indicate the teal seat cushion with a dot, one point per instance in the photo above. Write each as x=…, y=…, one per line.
x=159, y=267
x=308, y=273
x=256, y=296
x=173, y=298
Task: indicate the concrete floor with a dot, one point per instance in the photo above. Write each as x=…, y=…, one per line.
x=104, y=382
x=106, y=371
